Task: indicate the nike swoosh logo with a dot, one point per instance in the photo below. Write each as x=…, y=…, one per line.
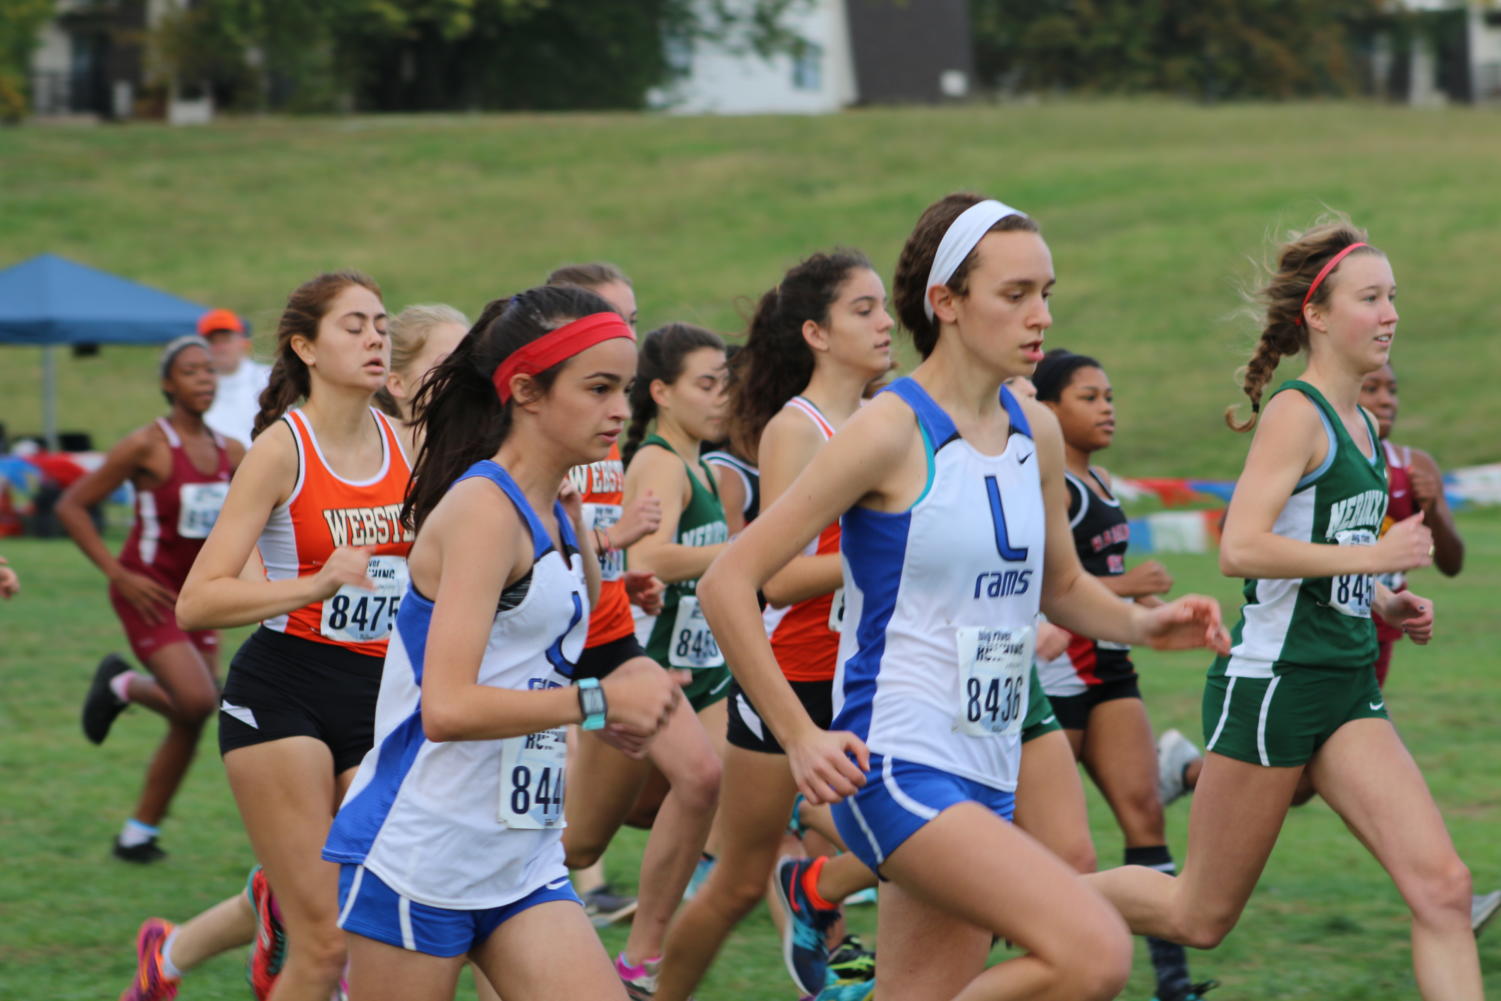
x=558, y=884
x=1022, y=461
x=1377, y=705
x=1050, y=719
x=1398, y=493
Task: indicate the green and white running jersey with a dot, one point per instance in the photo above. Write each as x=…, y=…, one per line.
x=1317, y=621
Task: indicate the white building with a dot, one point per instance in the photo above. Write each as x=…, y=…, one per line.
x=850, y=52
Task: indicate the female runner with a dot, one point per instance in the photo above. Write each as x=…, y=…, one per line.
x=320, y=500
x=816, y=340
x=434, y=866
x=603, y=780
x=180, y=470
x=680, y=386
x=937, y=646
x=421, y=336
x=1092, y=684
x=1298, y=691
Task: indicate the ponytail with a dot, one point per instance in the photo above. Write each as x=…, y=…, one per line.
x=1288, y=289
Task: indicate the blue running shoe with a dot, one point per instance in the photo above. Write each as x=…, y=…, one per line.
x=847, y=990
x=805, y=931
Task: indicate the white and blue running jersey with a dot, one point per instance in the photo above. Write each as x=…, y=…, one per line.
x=964, y=560
x=444, y=823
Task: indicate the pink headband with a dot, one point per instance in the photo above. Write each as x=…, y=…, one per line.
x=1324, y=273
x=557, y=346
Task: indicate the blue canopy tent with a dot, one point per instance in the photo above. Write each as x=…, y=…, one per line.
x=50, y=300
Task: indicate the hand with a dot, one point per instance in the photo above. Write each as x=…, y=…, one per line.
x=1190, y=622
x=347, y=567
x=1427, y=486
x=155, y=602
x=1149, y=577
x=1407, y=545
x=1410, y=613
x=10, y=584
x=1052, y=641
x=624, y=741
x=822, y=768
x=640, y=696
x=640, y=518
x=644, y=589
x=573, y=504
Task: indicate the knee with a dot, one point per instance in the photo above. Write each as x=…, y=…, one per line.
x=1081, y=856
x=696, y=786
x=1443, y=891
x=1100, y=968
x=191, y=709
x=737, y=894
x=321, y=954
x=1141, y=814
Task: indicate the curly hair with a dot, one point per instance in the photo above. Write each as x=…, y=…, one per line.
x=776, y=362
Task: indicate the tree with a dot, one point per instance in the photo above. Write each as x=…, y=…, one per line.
x=20, y=31
x=1211, y=49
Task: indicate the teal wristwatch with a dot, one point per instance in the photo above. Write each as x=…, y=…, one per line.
x=592, y=703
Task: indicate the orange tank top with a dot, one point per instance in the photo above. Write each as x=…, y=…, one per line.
x=805, y=636
x=326, y=511
x=601, y=485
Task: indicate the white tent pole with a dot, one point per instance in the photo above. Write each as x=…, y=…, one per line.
x=49, y=395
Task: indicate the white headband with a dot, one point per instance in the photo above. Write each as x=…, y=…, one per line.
x=963, y=235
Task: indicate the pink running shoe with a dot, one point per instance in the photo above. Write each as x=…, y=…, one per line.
x=151, y=982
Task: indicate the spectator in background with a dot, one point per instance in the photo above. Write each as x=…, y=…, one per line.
x=241, y=378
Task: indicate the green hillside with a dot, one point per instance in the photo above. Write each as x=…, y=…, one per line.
x=1155, y=213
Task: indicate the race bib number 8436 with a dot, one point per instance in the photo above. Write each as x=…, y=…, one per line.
x=995, y=668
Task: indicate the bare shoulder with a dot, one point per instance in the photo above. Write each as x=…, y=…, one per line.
x=882, y=430
x=271, y=459
x=1043, y=422
x=789, y=434
x=656, y=465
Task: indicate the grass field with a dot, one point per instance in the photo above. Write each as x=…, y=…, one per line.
x=1324, y=925
x=1153, y=211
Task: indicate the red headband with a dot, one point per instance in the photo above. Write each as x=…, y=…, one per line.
x=1324, y=273
x=557, y=346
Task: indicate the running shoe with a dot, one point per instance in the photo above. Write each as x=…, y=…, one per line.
x=1195, y=992
x=1483, y=907
x=1175, y=753
x=861, y=898
x=100, y=707
x=640, y=981
x=142, y=854
x=846, y=990
x=851, y=961
x=269, y=950
x=805, y=946
x=701, y=870
x=606, y=908
x=151, y=982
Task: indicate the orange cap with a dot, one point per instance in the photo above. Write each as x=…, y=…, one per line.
x=219, y=319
